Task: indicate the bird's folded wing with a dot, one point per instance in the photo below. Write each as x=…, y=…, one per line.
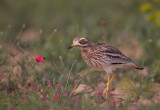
x=113, y=56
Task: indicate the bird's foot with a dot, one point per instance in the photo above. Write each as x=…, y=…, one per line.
x=106, y=94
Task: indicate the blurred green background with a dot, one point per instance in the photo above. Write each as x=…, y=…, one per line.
x=60, y=21
x=37, y=27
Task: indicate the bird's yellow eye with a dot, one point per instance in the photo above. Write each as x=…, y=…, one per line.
x=82, y=41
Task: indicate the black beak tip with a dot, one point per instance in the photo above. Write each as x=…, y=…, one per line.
x=69, y=47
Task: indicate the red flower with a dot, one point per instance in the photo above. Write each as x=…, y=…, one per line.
x=56, y=97
x=103, y=23
x=39, y=59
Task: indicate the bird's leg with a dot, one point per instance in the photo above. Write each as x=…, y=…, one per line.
x=113, y=77
x=109, y=82
x=105, y=92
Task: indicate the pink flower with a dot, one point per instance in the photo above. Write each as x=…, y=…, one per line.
x=100, y=96
x=103, y=23
x=12, y=107
x=49, y=85
x=109, y=93
x=65, y=93
x=7, y=87
x=0, y=95
x=27, y=97
x=113, y=102
x=32, y=84
x=56, y=97
x=12, y=92
x=71, y=106
x=38, y=88
x=44, y=97
x=58, y=87
x=39, y=59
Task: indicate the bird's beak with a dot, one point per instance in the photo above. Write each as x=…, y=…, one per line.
x=73, y=45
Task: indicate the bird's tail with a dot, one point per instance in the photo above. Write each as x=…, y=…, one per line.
x=134, y=66
x=139, y=67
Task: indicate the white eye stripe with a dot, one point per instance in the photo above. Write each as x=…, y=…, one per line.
x=83, y=39
x=81, y=42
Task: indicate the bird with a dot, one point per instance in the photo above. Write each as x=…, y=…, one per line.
x=103, y=57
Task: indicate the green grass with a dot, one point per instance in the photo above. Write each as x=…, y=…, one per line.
x=30, y=28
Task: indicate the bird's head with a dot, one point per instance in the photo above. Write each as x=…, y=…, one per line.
x=80, y=42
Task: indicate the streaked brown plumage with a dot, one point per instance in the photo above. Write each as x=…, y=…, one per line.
x=103, y=57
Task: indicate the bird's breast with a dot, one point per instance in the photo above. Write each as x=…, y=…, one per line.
x=91, y=60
